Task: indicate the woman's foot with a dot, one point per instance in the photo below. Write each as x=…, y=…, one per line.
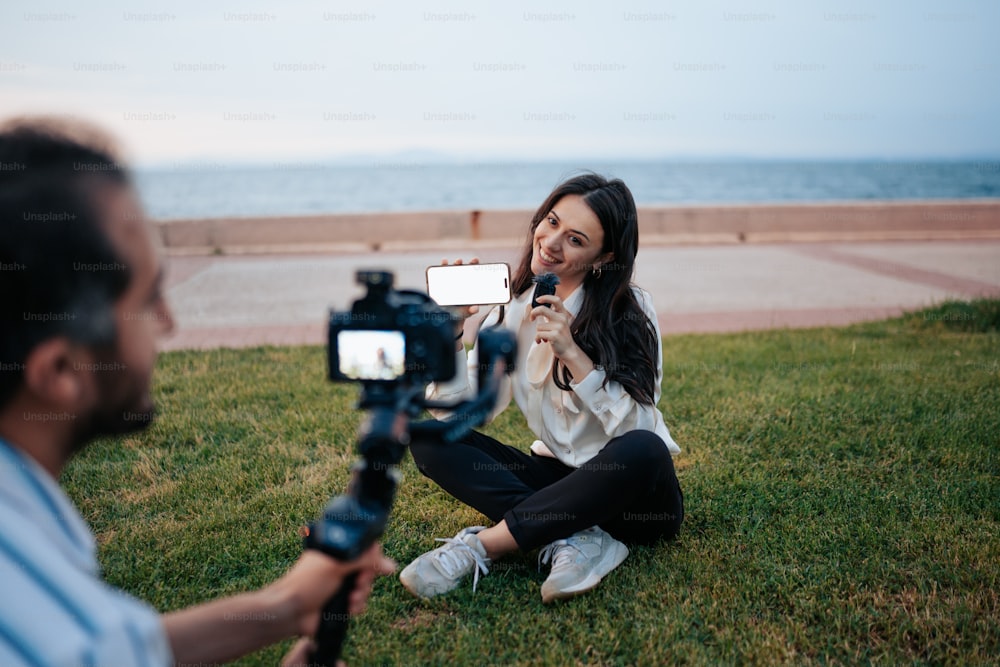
x=440, y=571
x=579, y=562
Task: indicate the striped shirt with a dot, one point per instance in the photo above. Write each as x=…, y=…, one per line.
x=54, y=607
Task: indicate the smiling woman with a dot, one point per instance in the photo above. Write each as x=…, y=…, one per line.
x=586, y=232
x=569, y=244
x=587, y=379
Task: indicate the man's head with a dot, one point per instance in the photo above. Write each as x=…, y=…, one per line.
x=80, y=287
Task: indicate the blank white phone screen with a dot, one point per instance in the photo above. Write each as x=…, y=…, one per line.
x=469, y=284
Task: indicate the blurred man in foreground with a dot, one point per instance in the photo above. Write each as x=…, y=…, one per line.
x=81, y=306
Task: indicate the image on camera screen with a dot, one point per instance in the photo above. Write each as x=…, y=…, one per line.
x=371, y=355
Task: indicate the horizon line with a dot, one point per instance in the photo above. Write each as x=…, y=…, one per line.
x=419, y=159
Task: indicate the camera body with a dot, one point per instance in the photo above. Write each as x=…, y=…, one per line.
x=391, y=336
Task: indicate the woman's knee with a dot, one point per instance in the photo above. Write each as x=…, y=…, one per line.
x=434, y=457
x=643, y=449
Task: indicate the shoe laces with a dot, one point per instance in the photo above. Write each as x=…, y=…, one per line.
x=560, y=552
x=454, y=559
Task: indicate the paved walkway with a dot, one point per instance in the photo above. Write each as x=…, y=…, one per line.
x=238, y=301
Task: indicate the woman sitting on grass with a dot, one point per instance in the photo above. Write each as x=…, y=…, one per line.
x=587, y=380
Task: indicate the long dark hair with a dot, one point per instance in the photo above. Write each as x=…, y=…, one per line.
x=611, y=327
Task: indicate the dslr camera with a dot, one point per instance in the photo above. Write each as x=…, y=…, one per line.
x=391, y=337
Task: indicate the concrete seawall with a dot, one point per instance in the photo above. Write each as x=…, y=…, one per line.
x=660, y=225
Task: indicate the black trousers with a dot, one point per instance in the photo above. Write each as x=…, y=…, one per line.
x=629, y=489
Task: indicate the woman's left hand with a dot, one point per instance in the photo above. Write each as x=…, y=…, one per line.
x=552, y=325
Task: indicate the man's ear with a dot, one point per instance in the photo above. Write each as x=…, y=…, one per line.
x=53, y=372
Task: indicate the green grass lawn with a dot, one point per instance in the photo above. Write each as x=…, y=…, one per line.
x=842, y=491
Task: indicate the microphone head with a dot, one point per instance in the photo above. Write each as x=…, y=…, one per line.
x=544, y=284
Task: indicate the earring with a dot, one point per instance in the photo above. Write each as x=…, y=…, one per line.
x=597, y=272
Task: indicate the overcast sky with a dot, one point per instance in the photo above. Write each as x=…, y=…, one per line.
x=265, y=81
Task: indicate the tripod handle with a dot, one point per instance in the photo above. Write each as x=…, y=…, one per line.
x=333, y=625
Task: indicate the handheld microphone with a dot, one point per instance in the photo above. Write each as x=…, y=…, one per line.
x=544, y=284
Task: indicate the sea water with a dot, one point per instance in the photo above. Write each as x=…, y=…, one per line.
x=216, y=190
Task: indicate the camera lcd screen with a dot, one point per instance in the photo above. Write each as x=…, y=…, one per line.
x=371, y=355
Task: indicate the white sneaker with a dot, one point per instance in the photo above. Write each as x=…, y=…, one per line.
x=579, y=562
x=439, y=571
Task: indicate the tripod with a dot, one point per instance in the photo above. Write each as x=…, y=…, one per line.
x=352, y=522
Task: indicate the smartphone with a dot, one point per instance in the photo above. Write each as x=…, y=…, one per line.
x=469, y=284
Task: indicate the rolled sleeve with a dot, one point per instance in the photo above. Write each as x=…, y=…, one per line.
x=613, y=407
x=591, y=390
